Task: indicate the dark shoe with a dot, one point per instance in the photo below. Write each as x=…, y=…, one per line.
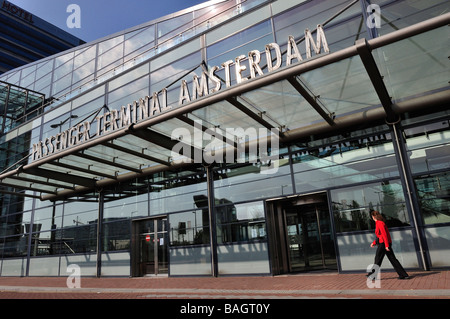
x=404, y=277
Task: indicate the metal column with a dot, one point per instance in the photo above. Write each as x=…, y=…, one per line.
x=212, y=221
x=100, y=233
x=407, y=180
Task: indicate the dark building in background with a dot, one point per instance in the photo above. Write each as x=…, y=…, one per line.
x=26, y=38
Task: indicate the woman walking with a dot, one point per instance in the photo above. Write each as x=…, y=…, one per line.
x=384, y=242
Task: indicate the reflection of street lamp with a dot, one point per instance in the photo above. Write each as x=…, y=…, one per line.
x=62, y=122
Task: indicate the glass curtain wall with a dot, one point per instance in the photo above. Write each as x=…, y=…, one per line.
x=349, y=167
x=429, y=156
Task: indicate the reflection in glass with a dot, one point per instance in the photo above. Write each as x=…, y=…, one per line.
x=347, y=161
x=352, y=206
x=240, y=223
x=189, y=228
x=434, y=198
x=429, y=146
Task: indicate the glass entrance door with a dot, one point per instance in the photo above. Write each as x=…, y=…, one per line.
x=151, y=246
x=309, y=239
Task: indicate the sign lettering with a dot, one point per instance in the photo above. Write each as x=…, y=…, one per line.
x=244, y=67
x=17, y=11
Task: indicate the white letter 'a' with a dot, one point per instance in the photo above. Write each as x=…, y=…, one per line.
x=73, y=20
x=74, y=280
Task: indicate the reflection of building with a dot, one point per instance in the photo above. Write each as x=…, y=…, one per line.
x=27, y=38
x=126, y=139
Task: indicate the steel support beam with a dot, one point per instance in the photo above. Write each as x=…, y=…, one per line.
x=135, y=153
x=312, y=100
x=29, y=188
x=373, y=72
x=80, y=169
x=64, y=177
x=159, y=139
x=36, y=181
x=106, y=162
x=187, y=120
x=19, y=194
x=256, y=117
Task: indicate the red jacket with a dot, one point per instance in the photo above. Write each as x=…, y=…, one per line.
x=382, y=233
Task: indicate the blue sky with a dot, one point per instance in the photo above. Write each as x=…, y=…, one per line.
x=100, y=18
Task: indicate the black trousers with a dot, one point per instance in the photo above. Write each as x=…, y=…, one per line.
x=379, y=256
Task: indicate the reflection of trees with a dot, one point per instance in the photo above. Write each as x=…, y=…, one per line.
x=354, y=214
x=434, y=196
x=387, y=202
x=352, y=217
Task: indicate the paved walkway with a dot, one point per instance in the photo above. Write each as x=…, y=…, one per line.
x=423, y=285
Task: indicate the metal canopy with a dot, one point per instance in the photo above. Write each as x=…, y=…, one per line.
x=282, y=100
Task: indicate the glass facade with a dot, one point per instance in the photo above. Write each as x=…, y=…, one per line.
x=87, y=174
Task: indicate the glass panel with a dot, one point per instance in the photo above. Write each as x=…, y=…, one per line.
x=348, y=161
x=182, y=192
x=62, y=85
x=170, y=71
x=147, y=253
x=399, y=14
x=26, y=185
x=355, y=252
x=47, y=218
x=303, y=238
x=224, y=115
x=84, y=71
x=85, y=56
x=116, y=236
x=132, y=204
x=310, y=242
x=343, y=87
x=248, y=182
x=115, y=156
x=352, y=206
x=152, y=247
x=189, y=228
x=429, y=147
x=80, y=213
x=416, y=65
x=142, y=38
x=438, y=239
x=162, y=243
x=240, y=223
x=128, y=77
x=44, y=68
x=243, y=258
x=434, y=198
x=133, y=91
x=28, y=77
x=190, y=260
x=106, y=45
x=140, y=145
x=93, y=166
x=175, y=25
x=306, y=16
x=281, y=102
x=226, y=49
x=116, y=264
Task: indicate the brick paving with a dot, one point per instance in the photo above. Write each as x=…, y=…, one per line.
x=422, y=285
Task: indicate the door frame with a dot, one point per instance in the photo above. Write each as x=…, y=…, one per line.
x=276, y=226
x=135, y=246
